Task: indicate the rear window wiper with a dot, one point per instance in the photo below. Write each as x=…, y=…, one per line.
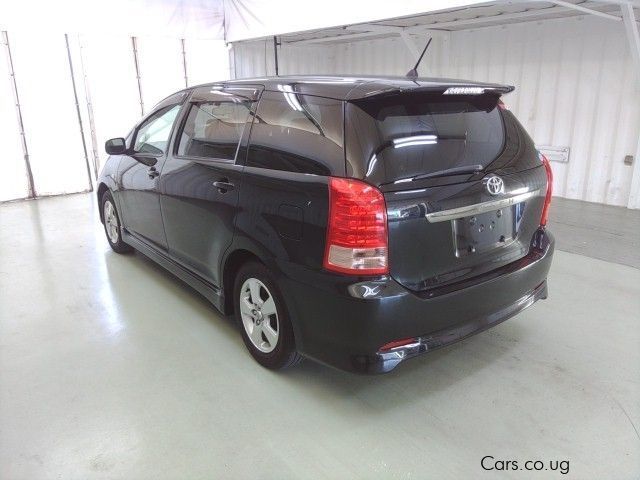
x=466, y=169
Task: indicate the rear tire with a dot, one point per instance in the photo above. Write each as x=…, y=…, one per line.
x=263, y=319
x=112, y=225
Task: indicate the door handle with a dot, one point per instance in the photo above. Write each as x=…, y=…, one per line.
x=153, y=173
x=223, y=185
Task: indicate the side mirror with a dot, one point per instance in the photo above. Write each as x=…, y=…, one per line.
x=116, y=146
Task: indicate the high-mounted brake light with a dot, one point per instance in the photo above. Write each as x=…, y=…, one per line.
x=464, y=91
x=357, y=232
x=547, y=198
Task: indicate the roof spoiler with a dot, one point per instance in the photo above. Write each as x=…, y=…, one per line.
x=467, y=89
x=483, y=97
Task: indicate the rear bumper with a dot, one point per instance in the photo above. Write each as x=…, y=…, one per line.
x=344, y=324
x=385, y=361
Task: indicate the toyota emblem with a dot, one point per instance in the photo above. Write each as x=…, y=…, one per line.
x=495, y=185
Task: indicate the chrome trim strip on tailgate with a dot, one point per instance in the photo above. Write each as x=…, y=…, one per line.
x=476, y=208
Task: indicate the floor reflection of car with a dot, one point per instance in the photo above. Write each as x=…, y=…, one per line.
x=354, y=221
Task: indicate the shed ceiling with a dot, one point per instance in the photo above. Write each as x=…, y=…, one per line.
x=463, y=18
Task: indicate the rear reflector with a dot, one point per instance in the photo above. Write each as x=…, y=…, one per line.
x=357, y=230
x=397, y=343
x=547, y=198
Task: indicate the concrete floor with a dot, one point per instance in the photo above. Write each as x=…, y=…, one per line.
x=597, y=231
x=111, y=368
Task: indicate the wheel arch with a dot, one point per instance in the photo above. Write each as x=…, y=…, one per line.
x=102, y=187
x=232, y=264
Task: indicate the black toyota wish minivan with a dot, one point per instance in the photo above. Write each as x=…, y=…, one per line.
x=355, y=221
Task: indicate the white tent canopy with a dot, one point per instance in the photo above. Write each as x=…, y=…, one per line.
x=181, y=18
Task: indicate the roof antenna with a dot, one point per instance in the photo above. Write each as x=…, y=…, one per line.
x=275, y=52
x=413, y=73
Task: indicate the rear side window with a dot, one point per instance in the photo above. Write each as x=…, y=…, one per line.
x=297, y=133
x=214, y=129
x=402, y=136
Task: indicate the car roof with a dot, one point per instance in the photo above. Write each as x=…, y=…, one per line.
x=346, y=87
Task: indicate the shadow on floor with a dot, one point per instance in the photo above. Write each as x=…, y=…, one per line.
x=411, y=381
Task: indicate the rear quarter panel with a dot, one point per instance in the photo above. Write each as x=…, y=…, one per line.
x=283, y=216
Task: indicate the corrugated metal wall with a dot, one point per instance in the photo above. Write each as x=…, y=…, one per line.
x=574, y=77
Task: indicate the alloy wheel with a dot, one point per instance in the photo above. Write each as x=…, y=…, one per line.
x=110, y=221
x=259, y=315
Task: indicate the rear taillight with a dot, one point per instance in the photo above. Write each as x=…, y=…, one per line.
x=547, y=198
x=357, y=231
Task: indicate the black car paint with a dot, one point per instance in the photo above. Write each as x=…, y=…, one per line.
x=202, y=233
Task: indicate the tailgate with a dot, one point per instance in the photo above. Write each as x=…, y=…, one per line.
x=449, y=233
x=462, y=181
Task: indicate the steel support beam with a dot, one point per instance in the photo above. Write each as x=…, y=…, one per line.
x=90, y=113
x=408, y=41
x=75, y=97
x=14, y=86
x=434, y=28
x=365, y=31
x=332, y=39
x=631, y=27
x=374, y=28
x=590, y=11
x=184, y=62
x=620, y=2
x=471, y=22
x=134, y=45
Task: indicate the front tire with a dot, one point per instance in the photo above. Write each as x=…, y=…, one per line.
x=112, y=225
x=264, y=322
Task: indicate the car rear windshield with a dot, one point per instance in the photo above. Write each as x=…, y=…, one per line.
x=416, y=134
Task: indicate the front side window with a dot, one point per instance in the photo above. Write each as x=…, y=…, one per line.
x=153, y=135
x=213, y=129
